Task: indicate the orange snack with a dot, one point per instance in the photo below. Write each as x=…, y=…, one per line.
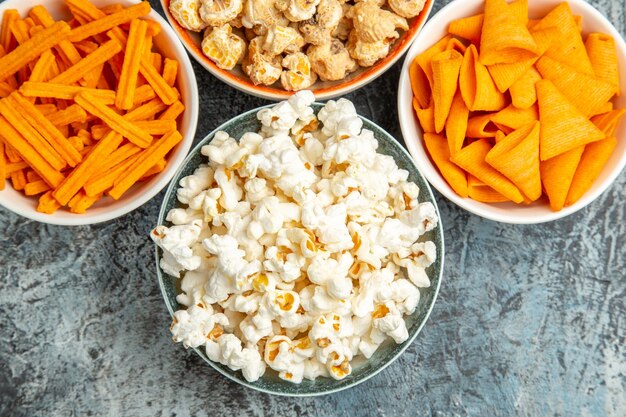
x=82, y=202
x=586, y=92
x=88, y=63
x=170, y=71
x=486, y=194
x=125, y=98
x=512, y=118
x=156, y=127
x=608, y=122
x=29, y=154
x=426, y=117
x=173, y=111
x=517, y=157
x=481, y=127
x=563, y=127
x=36, y=187
x=445, y=66
x=440, y=154
x=48, y=152
x=162, y=89
x=47, y=130
x=424, y=60
x=147, y=159
x=64, y=92
x=31, y=49
x=113, y=120
x=81, y=174
x=6, y=37
x=66, y=49
x=104, y=181
x=156, y=168
x=48, y=204
x=477, y=87
x=504, y=37
x=3, y=166
x=456, y=125
x=41, y=70
x=523, y=92
x=557, y=174
x=110, y=21
x=69, y=115
x=592, y=161
x=603, y=57
x=472, y=159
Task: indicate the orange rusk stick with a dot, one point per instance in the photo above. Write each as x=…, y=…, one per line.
x=157, y=62
x=19, y=28
x=173, y=111
x=5, y=89
x=41, y=70
x=110, y=21
x=119, y=155
x=69, y=115
x=52, y=135
x=170, y=71
x=107, y=179
x=90, y=165
x=10, y=80
x=113, y=120
x=3, y=166
x=156, y=127
x=11, y=167
x=29, y=154
x=125, y=98
x=31, y=49
x=158, y=167
x=47, y=108
x=144, y=93
x=88, y=63
x=9, y=110
x=32, y=176
x=82, y=202
x=66, y=48
x=6, y=37
x=64, y=92
x=112, y=8
x=146, y=111
x=167, y=94
x=36, y=187
x=18, y=180
x=146, y=160
x=47, y=203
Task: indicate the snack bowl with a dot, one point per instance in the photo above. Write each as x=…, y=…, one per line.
x=362, y=369
x=107, y=209
x=323, y=89
x=539, y=211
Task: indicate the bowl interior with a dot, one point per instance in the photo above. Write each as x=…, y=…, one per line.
x=170, y=286
x=107, y=208
x=323, y=89
x=538, y=212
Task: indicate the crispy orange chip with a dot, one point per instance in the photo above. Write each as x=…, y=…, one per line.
x=504, y=37
x=563, y=127
x=420, y=85
x=592, y=161
x=481, y=127
x=477, y=87
x=603, y=57
x=486, y=194
x=472, y=159
x=557, y=174
x=523, y=92
x=517, y=157
x=424, y=59
x=456, y=125
x=470, y=28
x=586, y=92
x=445, y=66
x=608, y=122
x=514, y=118
x=426, y=117
x=440, y=154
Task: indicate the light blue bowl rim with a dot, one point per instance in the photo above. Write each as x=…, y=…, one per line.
x=440, y=255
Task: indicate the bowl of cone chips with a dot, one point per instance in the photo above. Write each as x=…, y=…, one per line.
x=513, y=110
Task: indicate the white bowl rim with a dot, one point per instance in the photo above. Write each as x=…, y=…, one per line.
x=406, y=118
x=251, y=385
x=163, y=178
x=334, y=93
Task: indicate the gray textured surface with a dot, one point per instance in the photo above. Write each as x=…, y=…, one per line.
x=530, y=319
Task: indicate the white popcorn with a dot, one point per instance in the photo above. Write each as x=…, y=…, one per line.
x=300, y=246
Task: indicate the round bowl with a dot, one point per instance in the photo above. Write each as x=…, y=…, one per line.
x=323, y=89
x=538, y=212
x=389, y=351
x=107, y=208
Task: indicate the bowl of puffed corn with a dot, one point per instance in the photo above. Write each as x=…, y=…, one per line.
x=272, y=48
x=299, y=250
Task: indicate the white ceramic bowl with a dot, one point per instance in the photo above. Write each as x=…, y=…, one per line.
x=323, y=90
x=107, y=208
x=538, y=212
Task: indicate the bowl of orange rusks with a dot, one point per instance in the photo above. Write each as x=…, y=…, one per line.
x=98, y=108
x=513, y=110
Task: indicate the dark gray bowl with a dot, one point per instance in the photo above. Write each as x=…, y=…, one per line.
x=389, y=351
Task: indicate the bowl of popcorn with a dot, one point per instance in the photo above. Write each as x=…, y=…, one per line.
x=299, y=249
x=98, y=109
x=513, y=110
x=271, y=48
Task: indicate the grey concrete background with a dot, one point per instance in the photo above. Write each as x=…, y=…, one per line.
x=529, y=321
